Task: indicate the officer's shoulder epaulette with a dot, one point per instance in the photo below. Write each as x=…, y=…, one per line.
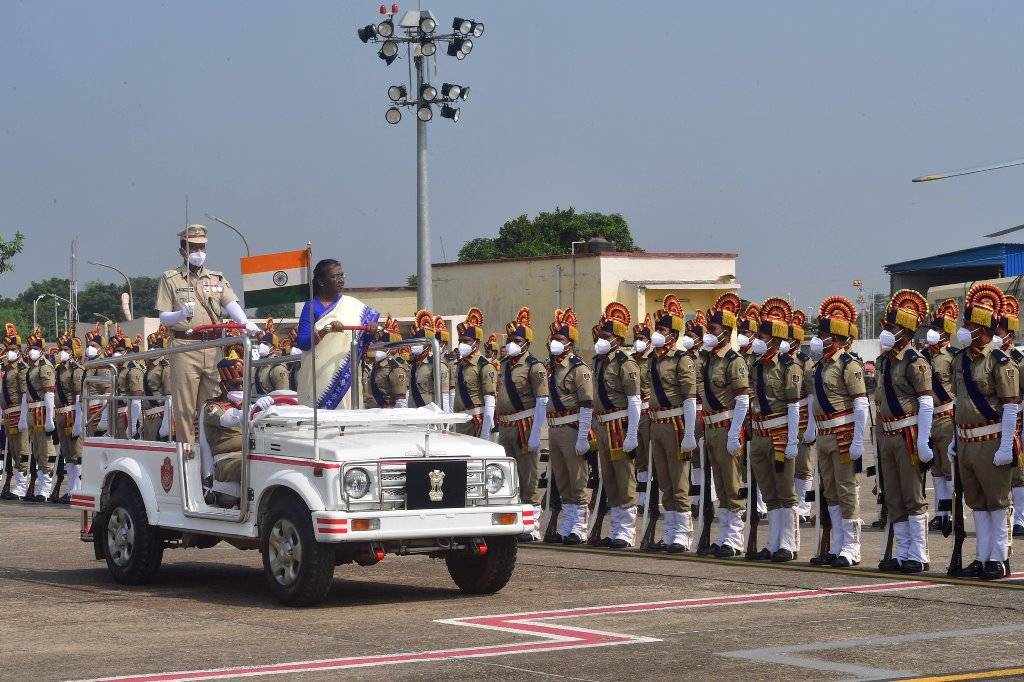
x=786, y=360
x=394, y=362
x=802, y=356
x=214, y=273
x=1000, y=356
x=677, y=353
x=481, y=361
x=731, y=355
x=1017, y=356
x=847, y=357
x=576, y=361
x=621, y=356
x=912, y=355
x=531, y=360
x=171, y=273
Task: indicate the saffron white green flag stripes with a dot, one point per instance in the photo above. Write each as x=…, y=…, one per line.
x=275, y=278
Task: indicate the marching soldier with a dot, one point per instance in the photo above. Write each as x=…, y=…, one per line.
x=271, y=377
x=187, y=297
x=746, y=333
x=775, y=419
x=941, y=358
x=839, y=413
x=1006, y=336
x=903, y=399
x=40, y=385
x=570, y=414
x=13, y=400
x=802, y=469
x=386, y=382
x=522, y=401
x=68, y=384
x=726, y=400
x=476, y=380
x=642, y=354
x=617, y=385
x=156, y=383
x=492, y=351
x=421, y=366
x=693, y=343
x=673, y=375
x=987, y=403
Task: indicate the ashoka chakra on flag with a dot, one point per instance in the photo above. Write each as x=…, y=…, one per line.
x=275, y=278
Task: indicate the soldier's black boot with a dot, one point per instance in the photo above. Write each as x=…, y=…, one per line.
x=6, y=493
x=823, y=560
x=761, y=555
x=891, y=565
x=572, y=540
x=782, y=555
x=993, y=570
x=911, y=566
x=972, y=570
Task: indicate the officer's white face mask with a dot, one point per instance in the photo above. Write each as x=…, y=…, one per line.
x=687, y=342
x=197, y=258
x=759, y=347
x=710, y=341
x=639, y=345
x=12, y=356
x=602, y=346
x=254, y=354
x=932, y=337
x=379, y=355
x=91, y=351
x=416, y=350
x=465, y=350
x=556, y=347
x=997, y=340
x=235, y=397
x=264, y=350
x=34, y=354
x=886, y=340
x=513, y=348
x=964, y=338
x=64, y=356
x=658, y=340
x=296, y=350
x=785, y=347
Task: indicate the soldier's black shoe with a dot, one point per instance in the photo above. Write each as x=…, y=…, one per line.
x=33, y=498
x=782, y=556
x=711, y=550
x=676, y=548
x=892, y=565
x=572, y=540
x=761, y=555
x=823, y=560
x=658, y=546
x=603, y=542
x=947, y=526
x=842, y=562
x=911, y=566
x=526, y=537
x=553, y=539
x=763, y=516
x=807, y=520
x=8, y=495
x=935, y=524
x=972, y=570
x=1018, y=530
x=993, y=570
x=617, y=543
x=65, y=499
x=727, y=552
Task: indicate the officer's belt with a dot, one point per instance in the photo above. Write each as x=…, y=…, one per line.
x=718, y=419
x=896, y=424
x=153, y=411
x=833, y=421
x=65, y=409
x=208, y=335
x=564, y=418
x=508, y=419
x=942, y=409
x=667, y=414
x=975, y=433
x=606, y=417
x=473, y=411
x=772, y=421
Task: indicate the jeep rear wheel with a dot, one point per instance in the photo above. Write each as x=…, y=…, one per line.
x=488, y=573
x=299, y=570
x=132, y=547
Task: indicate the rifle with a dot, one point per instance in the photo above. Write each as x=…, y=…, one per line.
x=753, y=517
x=652, y=510
x=32, y=473
x=956, y=560
x=707, y=507
x=598, y=500
x=59, y=472
x=552, y=502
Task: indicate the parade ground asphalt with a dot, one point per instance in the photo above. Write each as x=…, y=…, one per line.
x=576, y=614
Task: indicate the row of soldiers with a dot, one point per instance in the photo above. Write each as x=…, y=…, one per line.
x=729, y=382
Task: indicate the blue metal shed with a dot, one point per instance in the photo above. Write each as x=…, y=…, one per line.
x=967, y=265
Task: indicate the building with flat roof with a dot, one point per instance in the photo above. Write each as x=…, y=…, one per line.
x=991, y=261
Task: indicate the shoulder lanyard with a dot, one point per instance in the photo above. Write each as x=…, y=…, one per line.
x=973, y=392
x=762, y=394
x=819, y=390
x=709, y=388
x=656, y=385
x=890, y=391
x=553, y=388
x=510, y=388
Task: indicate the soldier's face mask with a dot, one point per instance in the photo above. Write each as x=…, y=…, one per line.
x=379, y=355
x=12, y=356
x=465, y=350
x=416, y=350
x=91, y=351
x=235, y=397
x=295, y=351
x=34, y=354
x=932, y=337
x=64, y=356
x=785, y=347
x=816, y=348
x=964, y=337
x=264, y=350
x=640, y=345
x=513, y=348
x=997, y=340
x=602, y=346
x=710, y=341
x=556, y=347
x=759, y=347
x=687, y=342
x=658, y=340
x=886, y=340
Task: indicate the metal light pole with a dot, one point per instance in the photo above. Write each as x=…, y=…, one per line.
x=131, y=298
x=35, y=303
x=421, y=42
x=233, y=229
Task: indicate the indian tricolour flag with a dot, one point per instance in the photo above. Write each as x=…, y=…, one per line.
x=276, y=278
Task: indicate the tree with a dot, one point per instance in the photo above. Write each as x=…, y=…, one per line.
x=9, y=248
x=549, y=234
x=412, y=280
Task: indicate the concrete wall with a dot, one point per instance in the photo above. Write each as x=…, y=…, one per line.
x=399, y=301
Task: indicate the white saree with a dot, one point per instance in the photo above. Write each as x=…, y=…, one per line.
x=333, y=356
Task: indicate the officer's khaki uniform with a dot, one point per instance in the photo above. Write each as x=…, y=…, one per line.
x=570, y=384
x=40, y=380
x=194, y=377
x=272, y=378
x=475, y=378
x=616, y=376
x=725, y=377
x=837, y=381
x=1017, y=480
x=130, y=382
x=225, y=442
x=776, y=384
x=13, y=385
x=676, y=381
x=69, y=378
x=521, y=380
x=156, y=383
x=421, y=385
x=385, y=382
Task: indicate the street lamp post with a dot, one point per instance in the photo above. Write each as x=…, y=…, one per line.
x=131, y=298
x=421, y=41
x=233, y=229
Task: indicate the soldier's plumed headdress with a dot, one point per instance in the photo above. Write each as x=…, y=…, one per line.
x=388, y=332
x=642, y=330
x=1010, y=318
x=269, y=336
x=95, y=336
x=908, y=309
x=671, y=314
x=521, y=326
x=492, y=342
x=776, y=314
x=11, y=337
x=698, y=325
x=796, y=326
x=945, y=315
x=36, y=340
x=725, y=311
x=423, y=325
x=155, y=340
x=473, y=326
x=983, y=305
x=121, y=342
x=750, y=320
x=615, y=321
x=565, y=324
x=230, y=368
x=441, y=329
x=837, y=316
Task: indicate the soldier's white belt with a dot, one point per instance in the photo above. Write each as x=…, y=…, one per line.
x=980, y=432
x=834, y=422
x=36, y=404
x=943, y=409
x=474, y=411
x=712, y=418
x=667, y=414
x=612, y=416
x=899, y=424
x=153, y=411
x=564, y=419
x=13, y=410
x=504, y=419
x=772, y=422
x=802, y=402
x=645, y=405
x=66, y=409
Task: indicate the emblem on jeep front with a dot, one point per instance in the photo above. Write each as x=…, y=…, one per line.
x=167, y=475
x=436, y=479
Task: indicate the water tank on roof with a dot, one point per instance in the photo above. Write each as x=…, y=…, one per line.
x=598, y=245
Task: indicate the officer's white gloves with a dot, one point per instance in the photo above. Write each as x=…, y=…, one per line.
x=451, y=400
x=76, y=427
x=165, y=421
x=583, y=435
x=925, y=409
x=134, y=412
x=860, y=419
x=792, y=430
x=232, y=419
x=488, y=423
x=540, y=413
x=173, y=317
x=48, y=412
x=238, y=315
x=446, y=401
x=104, y=421
x=263, y=403
x=732, y=441
x=811, y=432
x=23, y=419
x=689, y=443
x=633, y=407
x=1004, y=455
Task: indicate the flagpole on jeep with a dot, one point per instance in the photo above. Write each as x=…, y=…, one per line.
x=312, y=352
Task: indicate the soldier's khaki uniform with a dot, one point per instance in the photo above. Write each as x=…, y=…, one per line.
x=385, y=382
x=475, y=377
x=69, y=378
x=194, y=377
x=1017, y=480
x=13, y=384
x=98, y=412
x=272, y=378
x=570, y=384
x=40, y=380
x=776, y=384
x=616, y=376
x=421, y=385
x=802, y=468
x=643, y=360
x=156, y=383
x=130, y=382
x=837, y=380
x=674, y=379
x=522, y=379
x=941, y=362
x=725, y=377
x=225, y=443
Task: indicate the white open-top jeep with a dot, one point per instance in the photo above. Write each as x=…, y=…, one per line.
x=318, y=489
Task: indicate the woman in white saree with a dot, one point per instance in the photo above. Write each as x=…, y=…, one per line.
x=327, y=338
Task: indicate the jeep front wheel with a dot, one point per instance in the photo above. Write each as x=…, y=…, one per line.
x=298, y=569
x=488, y=573
x=133, y=547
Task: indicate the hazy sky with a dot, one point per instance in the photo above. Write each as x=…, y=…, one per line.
x=787, y=132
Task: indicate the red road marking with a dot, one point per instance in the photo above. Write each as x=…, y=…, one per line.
x=554, y=637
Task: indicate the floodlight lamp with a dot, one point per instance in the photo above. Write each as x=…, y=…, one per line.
x=463, y=26
x=393, y=115
x=451, y=91
x=466, y=46
x=428, y=48
x=367, y=33
x=428, y=93
x=386, y=28
x=478, y=29
x=450, y=112
x=388, y=52
x=396, y=93
x=427, y=24
x=425, y=113
x=464, y=95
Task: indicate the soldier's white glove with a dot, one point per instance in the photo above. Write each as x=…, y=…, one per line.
x=633, y=407
x=792, y=430
x=860, y=418
x=165, y=420
x=76, y=426
x=540, y=413
x=171, y=318
x=811, y=432
x=48, y=412
x=104, y=421
x=583, y=435
x=264, y=403
x=451, y=400
x=238, y=315
x=925, y=409
x=23, y=419
x=1004, y=455
x=689, y=443
x=732, y=441
x=446, y=402
x=951, y=450
x=231, y=419
x=134, y=412
x=487, y=426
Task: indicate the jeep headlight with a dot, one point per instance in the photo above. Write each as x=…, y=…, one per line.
x=357, y=483
x=494, y=478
